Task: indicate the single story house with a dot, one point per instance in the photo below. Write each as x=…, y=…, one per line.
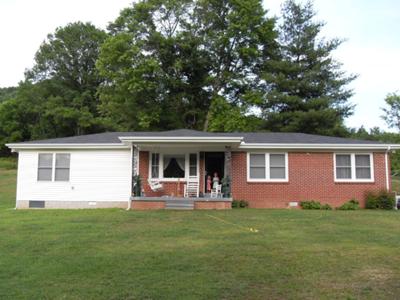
x=171, y=169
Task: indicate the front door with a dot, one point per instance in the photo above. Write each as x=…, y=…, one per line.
x=214, y=163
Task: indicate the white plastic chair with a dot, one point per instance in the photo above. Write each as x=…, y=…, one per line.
x=217, y=192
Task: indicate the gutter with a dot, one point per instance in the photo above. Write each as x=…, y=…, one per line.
x=318, y=146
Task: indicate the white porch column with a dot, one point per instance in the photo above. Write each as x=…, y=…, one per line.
x=135, y=166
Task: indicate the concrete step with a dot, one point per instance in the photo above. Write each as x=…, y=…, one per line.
x=179, y=204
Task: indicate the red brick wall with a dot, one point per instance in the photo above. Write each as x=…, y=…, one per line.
x=311, y=177
x=147, y=205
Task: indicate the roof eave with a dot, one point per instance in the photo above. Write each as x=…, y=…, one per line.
x=192, y=140
x=21, y=146
x=319, y=146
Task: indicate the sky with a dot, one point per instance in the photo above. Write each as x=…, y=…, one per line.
x=370, y=27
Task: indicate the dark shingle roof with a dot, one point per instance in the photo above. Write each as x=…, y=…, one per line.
x=249, y=137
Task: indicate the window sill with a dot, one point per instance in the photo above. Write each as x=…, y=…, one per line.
x=268, y=180
x=354, y=181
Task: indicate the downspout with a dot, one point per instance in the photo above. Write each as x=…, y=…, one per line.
x=130, y=197
x=387, y=168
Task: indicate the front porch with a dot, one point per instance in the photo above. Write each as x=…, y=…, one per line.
x=189, y=175
x=181, y=203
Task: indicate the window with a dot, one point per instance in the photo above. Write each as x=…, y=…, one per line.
x=267, y=167
x=257, y=166
x=62, y=167
x=155, y=165
x=277, y=166
x=173, y=166
x=353, y=167
x=192, y=164
x=343, y=166
x=45, y=167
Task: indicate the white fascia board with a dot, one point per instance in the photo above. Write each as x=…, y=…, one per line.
x=321, y=146
x=145, y=139
x=16, y=146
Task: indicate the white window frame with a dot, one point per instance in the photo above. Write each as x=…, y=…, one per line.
x=267, y=168
x=187, y=167
x=353, y=167
x=53, y=167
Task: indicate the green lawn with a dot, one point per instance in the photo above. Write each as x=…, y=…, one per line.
x=116, y=254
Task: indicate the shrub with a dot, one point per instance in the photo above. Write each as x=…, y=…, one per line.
x=386, y=200
x=310, y=204
x=243, y=204
x=350, y=205
x=371, y=201
x=240, y=204
x=235, y=204
x=381, y=200
x=326, y=207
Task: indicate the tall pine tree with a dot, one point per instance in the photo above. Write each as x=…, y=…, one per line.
x=306, y=88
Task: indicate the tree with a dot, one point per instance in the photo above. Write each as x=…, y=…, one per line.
x=392, y=113
x=66, y=75
x=306, y=88
x=7, y=93
x=168, y=61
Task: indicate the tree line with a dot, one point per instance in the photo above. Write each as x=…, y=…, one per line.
x=214, y=65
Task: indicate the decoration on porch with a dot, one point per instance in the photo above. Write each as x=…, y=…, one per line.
x=226, y=186
x=209, y=183
x=215, y=180
x=155, y=185
x=137, y=186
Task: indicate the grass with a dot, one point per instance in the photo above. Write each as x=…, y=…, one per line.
x=118, y=254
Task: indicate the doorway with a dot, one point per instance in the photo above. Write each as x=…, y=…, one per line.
x=214, y=163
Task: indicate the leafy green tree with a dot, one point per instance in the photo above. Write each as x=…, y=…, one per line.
x=7, y=93
x=168, y=61
x=392, y=113
x=306, y=88
x=67, y=79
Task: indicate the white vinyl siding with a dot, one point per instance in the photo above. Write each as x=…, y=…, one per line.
x=95, y=175
x=353, y=167
x=267, y=167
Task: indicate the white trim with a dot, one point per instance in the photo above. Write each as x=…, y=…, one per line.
x=387, y=169
x=318, y=146
x=267, y=167
x=222, y=139
x=15, y=147
x=353, y=168
x=53, y=167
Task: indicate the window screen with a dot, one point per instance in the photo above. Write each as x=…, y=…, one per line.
x=192, y=164
x=155, y=165
x=277, y=166
x=257, y=166
x=45, y=167
x=62, y=167
x=363, y=167
x=343, y=166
